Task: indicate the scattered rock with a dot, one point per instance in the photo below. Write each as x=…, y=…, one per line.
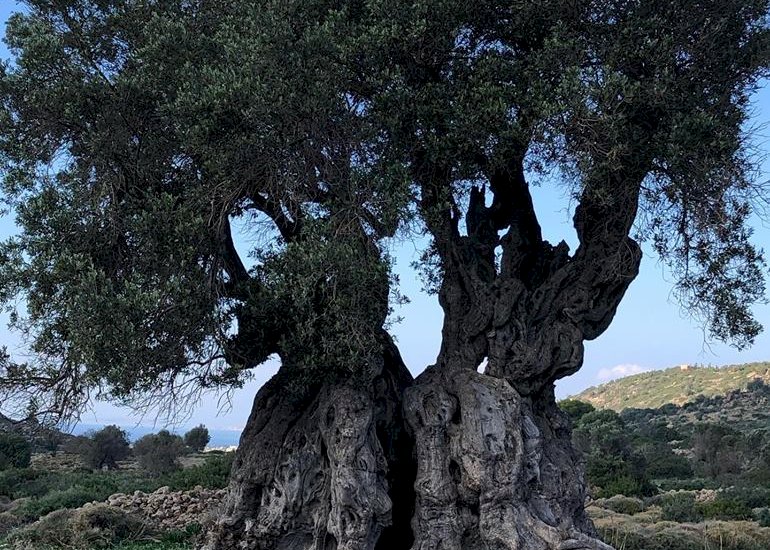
x=171, y=509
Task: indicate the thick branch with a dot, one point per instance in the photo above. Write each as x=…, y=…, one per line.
x=230, y=257
x=512, y=207
x=288, y=227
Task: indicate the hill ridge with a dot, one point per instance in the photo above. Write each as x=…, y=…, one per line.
x=678, y=385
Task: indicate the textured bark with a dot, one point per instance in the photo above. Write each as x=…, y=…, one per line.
x=496, y=470
x=327, y=468
x=495, y=464
x=490, y=465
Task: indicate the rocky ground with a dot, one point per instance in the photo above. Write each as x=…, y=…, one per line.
x=168, y=509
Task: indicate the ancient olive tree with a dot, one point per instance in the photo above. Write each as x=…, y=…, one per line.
x=137, y=133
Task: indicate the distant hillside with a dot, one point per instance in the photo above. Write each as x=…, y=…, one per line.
x=676, y=385
x=743, y=411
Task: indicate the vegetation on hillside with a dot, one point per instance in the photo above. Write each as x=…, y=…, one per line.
x=689, y=477
x=42, y=507
x=677, y=385
x=48, y=502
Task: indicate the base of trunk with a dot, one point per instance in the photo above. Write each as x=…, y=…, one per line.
x=328, y=469
x=452, y=461
x=495, y=470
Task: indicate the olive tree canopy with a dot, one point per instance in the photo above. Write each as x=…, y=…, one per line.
x=135, y=133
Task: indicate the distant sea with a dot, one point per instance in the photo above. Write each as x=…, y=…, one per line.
x=219, y=438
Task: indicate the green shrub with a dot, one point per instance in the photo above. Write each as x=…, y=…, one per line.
x=159, y=453
x=623, y=505
x=189, y=534
x=212, y=474
x=751, y=497
x=725, y=509
x=48, y=490
x=13, y=481
x=102, y=526
x=626, y=485
x=763, y=517
x=73, y=497
x=94, y=527
x=8, y=522
x=680, y=507
x=15, y=451
x=663, y=463
x=575, y=408
x=614, y=475
x=52, y=530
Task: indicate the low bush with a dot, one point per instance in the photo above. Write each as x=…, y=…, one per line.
x=49, y=490
x=625, y=485
x=752, y=497
x=15, y=451
x=94, y=527
x=212, y=474
x=763, y=517
x=8, y=521
x=624, y=533
x=725, y=509
x=14, y=481
x=623, y=505
x=680, y=507
x=663, y=463
x=72, y=497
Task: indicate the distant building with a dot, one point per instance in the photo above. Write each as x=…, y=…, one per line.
x=685, y=366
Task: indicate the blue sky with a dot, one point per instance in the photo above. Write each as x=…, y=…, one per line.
x=649, y=331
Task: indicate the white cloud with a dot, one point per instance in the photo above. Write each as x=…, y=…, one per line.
x=619, y=371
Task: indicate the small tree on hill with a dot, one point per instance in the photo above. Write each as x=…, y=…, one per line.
x=104, y=448
x=15, y=451
x=197, y=438
x=158, y=453
x=612, y=464
x=717, y=450
x=50, y=441
x=575, y=408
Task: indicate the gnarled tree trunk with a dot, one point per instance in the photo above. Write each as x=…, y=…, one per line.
x=488, y=462
x=496, y=470
x=326, y=467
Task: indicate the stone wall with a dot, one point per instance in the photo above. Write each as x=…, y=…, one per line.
x=171, y=509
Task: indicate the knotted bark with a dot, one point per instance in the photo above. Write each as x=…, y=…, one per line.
x=324, y=468
x=496, y=470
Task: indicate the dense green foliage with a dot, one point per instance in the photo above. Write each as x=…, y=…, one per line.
x=97, y=527
x=48, y=491
x=575, y=408
x=708, y=443
x=103, y=448
x=159, y=453
x=15, y=451
x=197, y=438
x=134, y=135
x=613, y=466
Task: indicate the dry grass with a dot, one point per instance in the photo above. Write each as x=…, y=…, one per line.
x=646, y=531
